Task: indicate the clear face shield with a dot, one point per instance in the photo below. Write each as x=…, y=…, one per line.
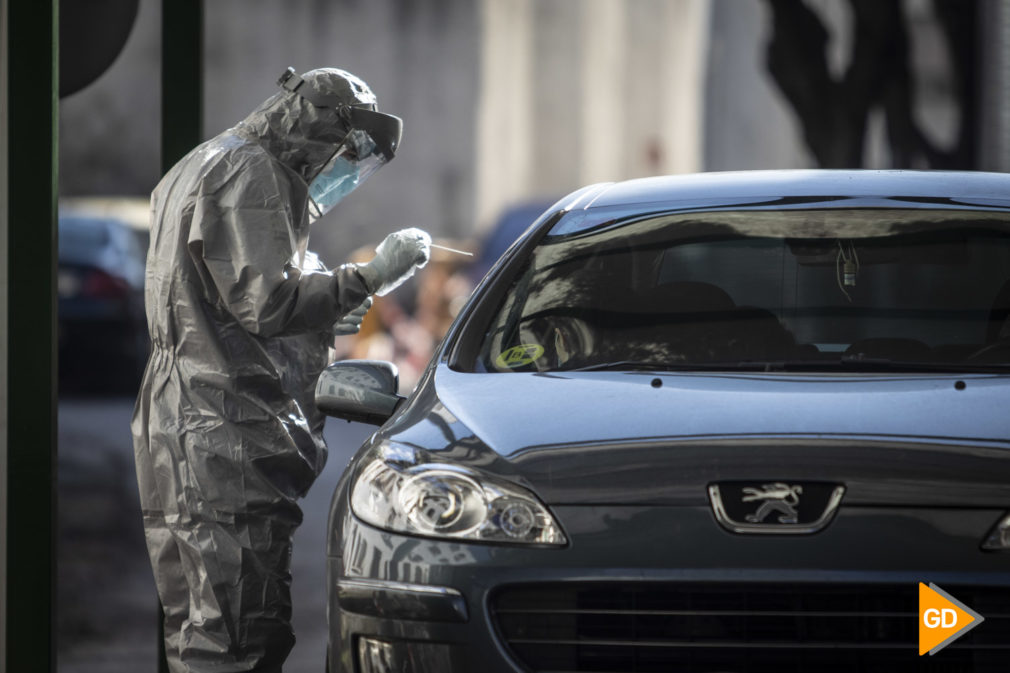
x=353, y=162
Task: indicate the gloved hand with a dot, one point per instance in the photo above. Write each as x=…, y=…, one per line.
x=351, y=323
x=396, y=260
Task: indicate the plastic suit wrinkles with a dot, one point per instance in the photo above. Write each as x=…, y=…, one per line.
x=226, y=433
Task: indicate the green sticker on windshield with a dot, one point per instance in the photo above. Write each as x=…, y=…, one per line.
x=520, y=355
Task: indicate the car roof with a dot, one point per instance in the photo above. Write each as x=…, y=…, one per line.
x=973, y=188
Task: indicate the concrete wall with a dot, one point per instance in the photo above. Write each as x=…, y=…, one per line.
x=110, y=130
x=994, y=138
x=507, y=136
x=748, y=122
x=582, y=91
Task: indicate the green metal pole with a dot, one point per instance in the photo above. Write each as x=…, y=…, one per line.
x=181, y=118
x=181, y=79
x=32, y=99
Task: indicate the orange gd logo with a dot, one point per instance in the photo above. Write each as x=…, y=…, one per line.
x=942, y=619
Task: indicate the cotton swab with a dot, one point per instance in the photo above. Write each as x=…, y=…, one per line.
x=458, y=252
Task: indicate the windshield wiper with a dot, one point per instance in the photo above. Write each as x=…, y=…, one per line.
x=636, y=366
x=646, y=365
x=848, y=363
x=886, y=364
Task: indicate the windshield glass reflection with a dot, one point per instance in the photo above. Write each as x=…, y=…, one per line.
x=860, y=290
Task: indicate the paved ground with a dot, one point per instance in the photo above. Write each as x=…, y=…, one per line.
x=107, y=603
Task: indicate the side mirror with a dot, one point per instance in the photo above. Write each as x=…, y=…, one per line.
x=359, y=390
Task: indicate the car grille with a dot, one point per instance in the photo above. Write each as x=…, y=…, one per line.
x=646, y=627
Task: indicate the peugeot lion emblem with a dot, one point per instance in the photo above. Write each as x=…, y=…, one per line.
x=777, y=497
x=775, y=507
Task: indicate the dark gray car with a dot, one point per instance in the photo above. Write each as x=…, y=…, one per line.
x=103, y=340
x=722, y=422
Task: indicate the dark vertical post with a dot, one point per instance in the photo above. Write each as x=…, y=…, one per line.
x=30, y=490
x=181, y=79
x=181, y=116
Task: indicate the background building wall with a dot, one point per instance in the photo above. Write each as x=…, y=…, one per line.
x=604, y=81
x=683, y=63
x=748, y=124
x=557, y=116
x=506, y=136
x=507, y=101
x=110, y=131
x=994, y=139
x=581, y=91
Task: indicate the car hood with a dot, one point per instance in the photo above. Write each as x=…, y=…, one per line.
x=661, y=437
x=516, y=411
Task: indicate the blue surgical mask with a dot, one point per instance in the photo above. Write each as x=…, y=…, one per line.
x=350, y=165
x=334, y=182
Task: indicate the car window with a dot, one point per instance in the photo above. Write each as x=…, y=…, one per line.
x=859, y=289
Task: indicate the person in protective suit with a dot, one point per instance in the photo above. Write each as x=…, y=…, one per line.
x=241, y=315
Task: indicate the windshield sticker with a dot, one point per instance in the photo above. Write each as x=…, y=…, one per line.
x=520, y=355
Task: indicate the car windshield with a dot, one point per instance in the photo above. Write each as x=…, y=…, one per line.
x=800, y=290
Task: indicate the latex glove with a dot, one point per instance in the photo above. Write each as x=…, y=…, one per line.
x=351, y=323
x=396, y=260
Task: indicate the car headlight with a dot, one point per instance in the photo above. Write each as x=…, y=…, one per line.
x=999, y=536
x=397, y=492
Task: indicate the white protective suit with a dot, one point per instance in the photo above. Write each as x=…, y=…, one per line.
x=226, y=433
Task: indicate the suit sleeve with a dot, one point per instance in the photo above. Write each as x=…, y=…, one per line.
x=243, y=234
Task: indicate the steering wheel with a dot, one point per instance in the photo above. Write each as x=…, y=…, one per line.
x=563, y=339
